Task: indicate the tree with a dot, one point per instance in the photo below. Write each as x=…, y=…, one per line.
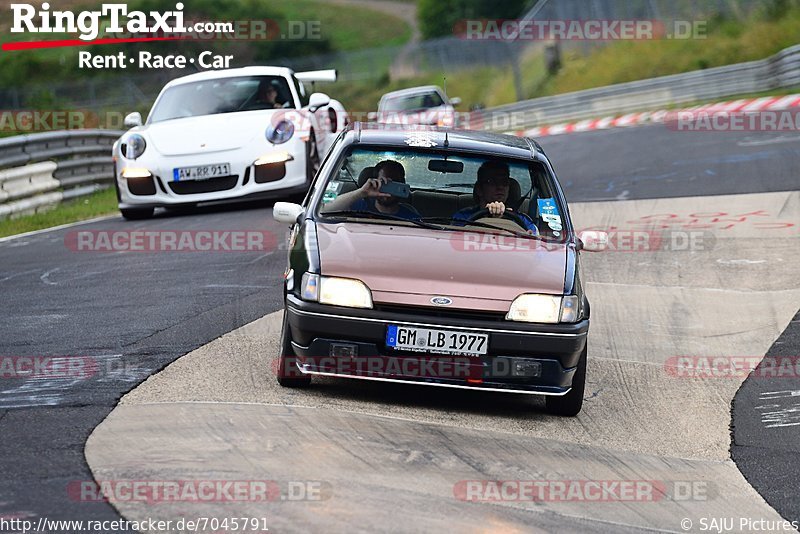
x=437, y=18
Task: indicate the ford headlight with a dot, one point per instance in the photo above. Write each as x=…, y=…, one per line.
x=134, y=146
x=280, y=133
x=335, y=291
x=549, y=309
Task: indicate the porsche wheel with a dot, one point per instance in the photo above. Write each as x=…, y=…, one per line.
x=312, y=158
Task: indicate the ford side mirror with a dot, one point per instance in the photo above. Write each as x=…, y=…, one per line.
x=287, y=212
x=593, y=240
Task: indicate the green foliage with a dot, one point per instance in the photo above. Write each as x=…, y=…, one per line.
x=728, y=41
x=437, y=18
x=777, y=9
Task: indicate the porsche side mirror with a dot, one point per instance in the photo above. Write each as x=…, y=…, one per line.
x=132, y=120
x=318, y=100
x=455, y=101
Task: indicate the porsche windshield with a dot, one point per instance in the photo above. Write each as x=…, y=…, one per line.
x=444, y=189
x=222, y=95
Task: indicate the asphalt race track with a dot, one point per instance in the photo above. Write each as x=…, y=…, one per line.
x=380, y=451
x=61, y=303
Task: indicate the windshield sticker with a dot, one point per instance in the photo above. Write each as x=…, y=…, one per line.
x=421, y=139
x=548, y=211
x=331, y=192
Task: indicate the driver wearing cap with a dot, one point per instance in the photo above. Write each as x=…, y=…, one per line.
x=491, y=193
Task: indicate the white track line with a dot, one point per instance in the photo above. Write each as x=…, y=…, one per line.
x=53, y=228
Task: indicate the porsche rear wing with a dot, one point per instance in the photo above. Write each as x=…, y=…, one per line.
x=328, y=75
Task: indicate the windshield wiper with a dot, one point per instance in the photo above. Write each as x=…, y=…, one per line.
x=383, y=216
x=519, y=233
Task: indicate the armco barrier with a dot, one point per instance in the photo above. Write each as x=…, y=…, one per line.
x=779, y=71
x=21, y=182
x=40, y=170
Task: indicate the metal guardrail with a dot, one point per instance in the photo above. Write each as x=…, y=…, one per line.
x=779, y=71
x=40, y=170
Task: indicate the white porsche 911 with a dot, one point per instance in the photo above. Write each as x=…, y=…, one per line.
x=235, y=134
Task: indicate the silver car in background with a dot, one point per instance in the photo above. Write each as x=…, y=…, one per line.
x=425, y=105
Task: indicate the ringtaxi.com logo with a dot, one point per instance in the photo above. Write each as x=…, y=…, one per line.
x=88, y=23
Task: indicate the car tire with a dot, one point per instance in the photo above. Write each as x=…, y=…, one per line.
x=116, y=185
x=570, y=404
x=286, y=359
x=136, y=214
x=312, y=158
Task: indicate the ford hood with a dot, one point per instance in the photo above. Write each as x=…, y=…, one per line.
x=411, y=265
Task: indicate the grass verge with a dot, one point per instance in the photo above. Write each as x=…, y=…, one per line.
x=100, y=203
x=727, y=42
x=336, y=22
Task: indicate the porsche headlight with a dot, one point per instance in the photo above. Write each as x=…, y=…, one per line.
x=335, y=291
x=281, y=132
x=549, y=309
x=134, y=146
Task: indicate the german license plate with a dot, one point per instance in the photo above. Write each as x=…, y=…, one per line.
x=437, y=341
x=201, y=172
